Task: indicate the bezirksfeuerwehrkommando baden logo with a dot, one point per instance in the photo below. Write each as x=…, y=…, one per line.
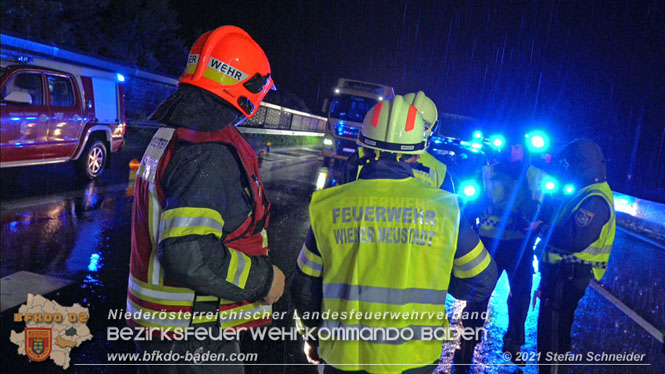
x=52, y=330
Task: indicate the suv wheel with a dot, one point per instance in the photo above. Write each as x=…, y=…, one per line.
x=92, y=161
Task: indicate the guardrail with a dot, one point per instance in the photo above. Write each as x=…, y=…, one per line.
x=271, y=119
x=277, y=120
x=642, y=216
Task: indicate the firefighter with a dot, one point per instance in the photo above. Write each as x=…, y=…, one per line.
x=577, y=244
x=199, y=242
x=512, y=201
x=426, y=167
x=385, y=243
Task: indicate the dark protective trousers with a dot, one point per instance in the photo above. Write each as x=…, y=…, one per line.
x=155, y=347
x=517, y=263
x=562, y=287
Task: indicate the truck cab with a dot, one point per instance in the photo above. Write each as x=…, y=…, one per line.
x=346, y=110
x=55, y=112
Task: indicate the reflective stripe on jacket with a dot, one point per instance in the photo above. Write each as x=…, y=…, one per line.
x=148, y=292
x=386, y=246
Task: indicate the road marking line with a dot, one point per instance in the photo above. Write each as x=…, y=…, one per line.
x=651, y=329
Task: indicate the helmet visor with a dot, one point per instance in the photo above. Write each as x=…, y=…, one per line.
x=256, y=83
x=431, y=128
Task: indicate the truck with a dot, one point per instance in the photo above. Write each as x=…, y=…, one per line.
x=55, y=112
x=352, y=99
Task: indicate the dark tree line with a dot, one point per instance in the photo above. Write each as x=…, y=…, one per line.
x=138, y=32
x=143, y=33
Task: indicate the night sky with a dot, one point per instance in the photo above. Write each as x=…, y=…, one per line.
x=577, y=68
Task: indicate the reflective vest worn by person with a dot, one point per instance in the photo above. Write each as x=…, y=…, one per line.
x=577, y=243
x=597, y=254
x=381, y=255
x=148, y=290
x=199, y=242
x=426, y=169
x=366, y=232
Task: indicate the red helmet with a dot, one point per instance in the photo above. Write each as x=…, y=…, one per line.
x=229, y=63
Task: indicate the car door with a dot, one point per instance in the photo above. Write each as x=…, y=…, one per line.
x=66, y=120
x=25, y=118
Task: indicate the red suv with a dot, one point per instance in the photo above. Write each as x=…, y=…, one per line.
x=55, y=112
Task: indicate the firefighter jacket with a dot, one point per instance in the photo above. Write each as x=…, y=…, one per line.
x=199, y=242
x=391, y=248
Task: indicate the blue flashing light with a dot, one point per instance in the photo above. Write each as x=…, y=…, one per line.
x=497, y=141
x=537, y=141
x=120, y=77
x=550, y=184
x=15, y=118
x=346, y=131
x=30, y=118
x=470, y=190
x=568, y=189
x=477, y=134
x=475, y=145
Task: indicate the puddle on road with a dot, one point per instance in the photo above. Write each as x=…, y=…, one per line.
x=66, y=238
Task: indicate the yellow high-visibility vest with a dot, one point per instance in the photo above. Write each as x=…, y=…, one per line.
x=437, y=171
x=597, y=254
x=387, y=250
x=434, y=177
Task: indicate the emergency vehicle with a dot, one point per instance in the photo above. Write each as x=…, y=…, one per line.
x=55, y=112
x=346, y=110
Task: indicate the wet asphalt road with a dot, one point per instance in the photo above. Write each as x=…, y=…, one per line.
x=53, y=225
